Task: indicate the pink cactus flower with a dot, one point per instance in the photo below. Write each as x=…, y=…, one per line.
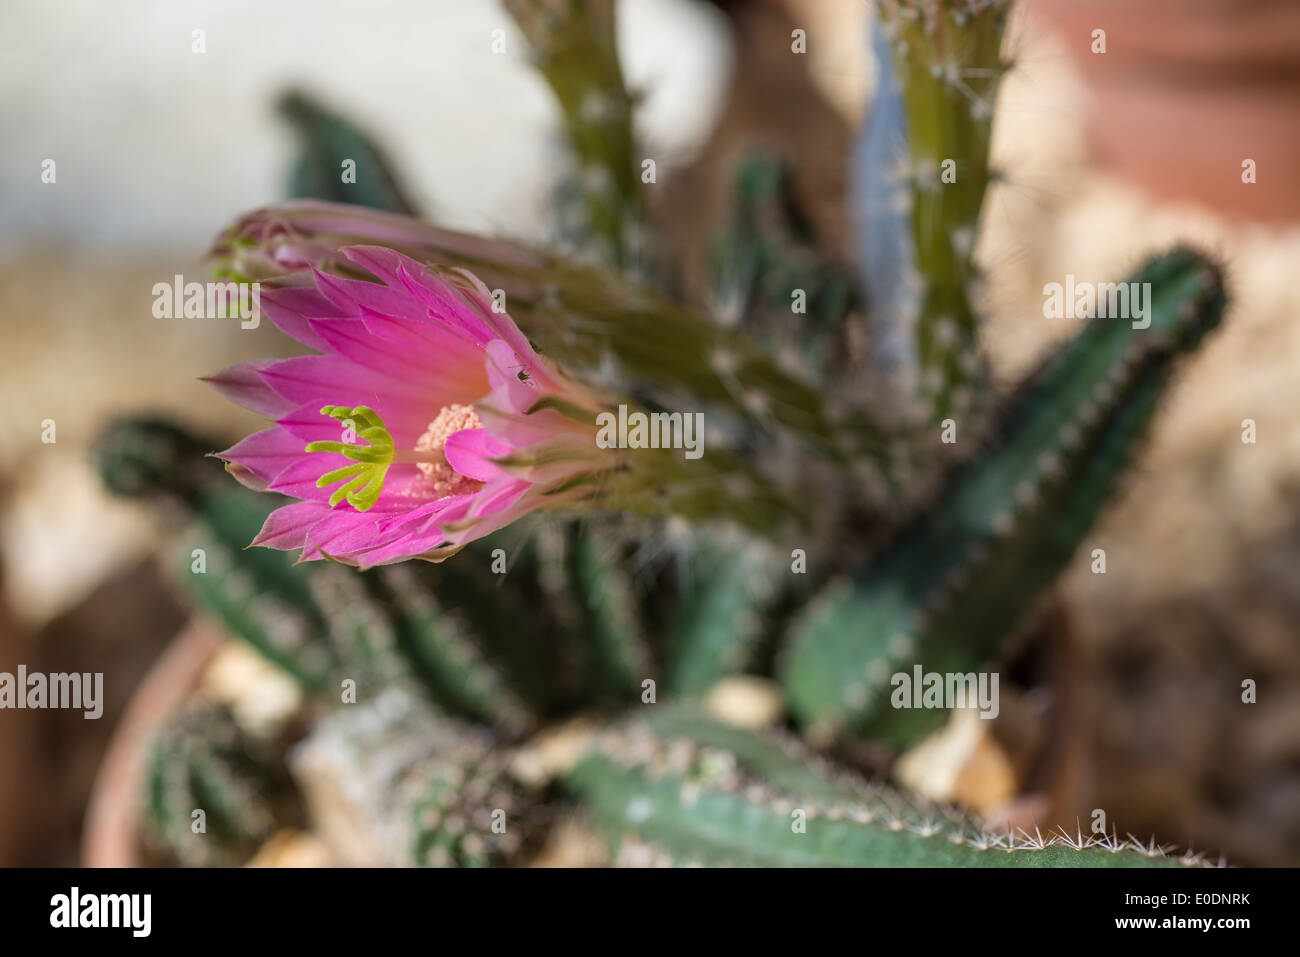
x=427, y=419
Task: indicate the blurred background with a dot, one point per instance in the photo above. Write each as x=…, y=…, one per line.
x=1104, y=158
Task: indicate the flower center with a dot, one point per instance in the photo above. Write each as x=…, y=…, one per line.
x=363, y=481
x=444, y=479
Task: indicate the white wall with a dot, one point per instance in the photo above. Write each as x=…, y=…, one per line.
x=157, y=146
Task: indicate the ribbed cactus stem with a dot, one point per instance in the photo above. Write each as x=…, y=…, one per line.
x=329, y=143
x=203, y=762
x=284, y=628
x=574, y=48
x=445, y=653
x=391, y=783
x=948, y=62
x=730, y=586
x=618, y=653
x=679, y=789
x=964, y=573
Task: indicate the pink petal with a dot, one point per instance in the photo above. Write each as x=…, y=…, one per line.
x=287, y=527
x=468, y=529
x=561, y=457
x=380, y=261
x=350, y=295
x=469, y=450
x=456, y=359
x=405, y=408
x=443, y=306
x=399, y=548
x=242, y=384
x=332, y=533
x=348, y=540
x=497, y=496
x=500, y=322
x=306, y=424
x=504, y=364
x=467, y=310
x=351, y=339
x=266, y=453
x=298, y=478
x=291, y=308
x=246, y=478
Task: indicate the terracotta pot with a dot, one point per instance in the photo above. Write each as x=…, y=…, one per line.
x=1187, y=90
x=17, y=781
x=111, y=836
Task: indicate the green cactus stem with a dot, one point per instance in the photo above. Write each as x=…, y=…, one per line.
x=391, y=782
x=963, y=574
x=465, y=809
x=619, y=658
x=329, y=142
x=249, y=597
x=574, y=49
x=947, y=58
x=447, y=654
x=772, y=280
x=677, y=789
x=730, y=585
x=203, y=762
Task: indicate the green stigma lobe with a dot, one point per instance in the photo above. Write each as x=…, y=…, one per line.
x=365, y=480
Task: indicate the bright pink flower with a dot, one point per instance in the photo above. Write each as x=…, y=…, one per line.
x=427, y=419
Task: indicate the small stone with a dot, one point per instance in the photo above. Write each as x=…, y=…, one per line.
x=745, y=701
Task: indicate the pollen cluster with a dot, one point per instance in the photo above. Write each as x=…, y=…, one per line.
x=444, y=479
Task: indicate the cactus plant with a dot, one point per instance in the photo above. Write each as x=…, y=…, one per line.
x=951, y=586
x=910, y=560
